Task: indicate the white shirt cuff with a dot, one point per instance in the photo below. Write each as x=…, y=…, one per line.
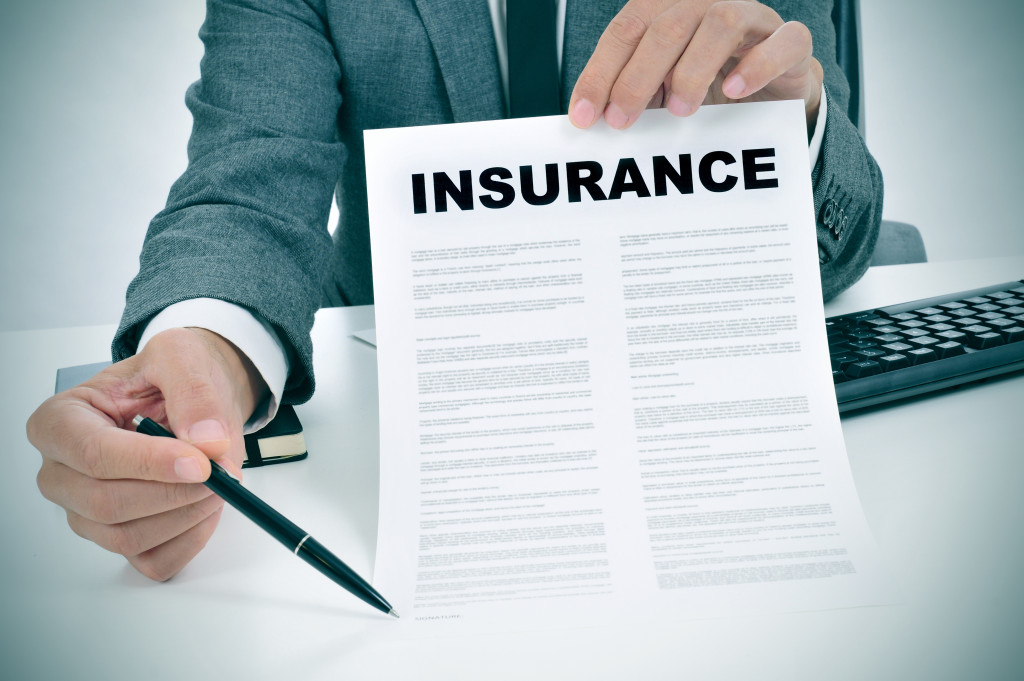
x=814, y=146
x=254, y=337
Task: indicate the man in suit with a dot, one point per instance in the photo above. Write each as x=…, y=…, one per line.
x=240, y=258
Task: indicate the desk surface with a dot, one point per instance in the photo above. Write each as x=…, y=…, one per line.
x=940, y=479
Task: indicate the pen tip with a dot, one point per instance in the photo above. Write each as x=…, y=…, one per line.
x=393, y=614
x=137, y=420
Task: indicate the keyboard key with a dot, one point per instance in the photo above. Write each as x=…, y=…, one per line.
x=897, y=347
x=861, y=334
x=941, y=327
x=922, y=341
x=987, y=307
x=977, y=300
x=928, y=310
x=893, y=362
x=983, y=341
x=888, y=338
x=863, y=369
x=903, y=316
x=1012, y=334
x=921, y=355
x=952, y=335
x=913, y=324
x=963, y=311
x=869, y=353
x=1019, y=290
x=1014, y=309
x=1000, y=295
x=992, y=315
x=976, y=329
x=894, y=329
x=997, y=324
x=937, y=318
x=862, y=344
x=839, y=377
x=877, y=321
x=967, y=321
x=949, y=349
x=952, y=306
x=840, y=362
x=1011, y=302
x=914, y=333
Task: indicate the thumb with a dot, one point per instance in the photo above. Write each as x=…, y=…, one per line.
x=199, y=394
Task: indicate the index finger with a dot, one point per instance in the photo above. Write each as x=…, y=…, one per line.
x=729, y=30
x=69, y=430
x=614, y=49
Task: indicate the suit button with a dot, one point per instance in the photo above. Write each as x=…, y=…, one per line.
x=832, y=215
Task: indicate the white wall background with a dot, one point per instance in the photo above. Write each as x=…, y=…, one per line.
x=93, y=130
x=944, y=96
x=93, y=127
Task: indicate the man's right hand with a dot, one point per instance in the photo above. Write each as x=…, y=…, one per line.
x=137, y=495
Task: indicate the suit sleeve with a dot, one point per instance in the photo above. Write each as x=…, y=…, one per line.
x=247, y=221
x=846, y=181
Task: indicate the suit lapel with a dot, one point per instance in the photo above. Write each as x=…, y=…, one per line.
x=585, y=21
x=462, y=37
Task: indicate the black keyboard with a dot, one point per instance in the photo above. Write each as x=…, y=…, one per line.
x=913, y=348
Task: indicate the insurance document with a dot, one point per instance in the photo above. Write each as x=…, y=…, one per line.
x=604, y=380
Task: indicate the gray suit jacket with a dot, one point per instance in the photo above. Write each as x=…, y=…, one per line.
x=287, y=88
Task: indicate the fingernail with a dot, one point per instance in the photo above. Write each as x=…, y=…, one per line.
x=679, y=107
x=582, y=114
x=187, y=468
x=615, y=117
x=734, y=86
x=206, y=431
x=230, y=468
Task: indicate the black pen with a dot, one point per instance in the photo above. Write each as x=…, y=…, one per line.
x=228, y=488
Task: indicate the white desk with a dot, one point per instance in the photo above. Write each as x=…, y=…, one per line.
x=941, y=481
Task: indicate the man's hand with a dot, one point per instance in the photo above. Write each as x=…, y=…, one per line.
x=684, y=53
x=139, y=495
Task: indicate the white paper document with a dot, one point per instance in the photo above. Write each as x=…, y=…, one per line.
x=604, y=385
